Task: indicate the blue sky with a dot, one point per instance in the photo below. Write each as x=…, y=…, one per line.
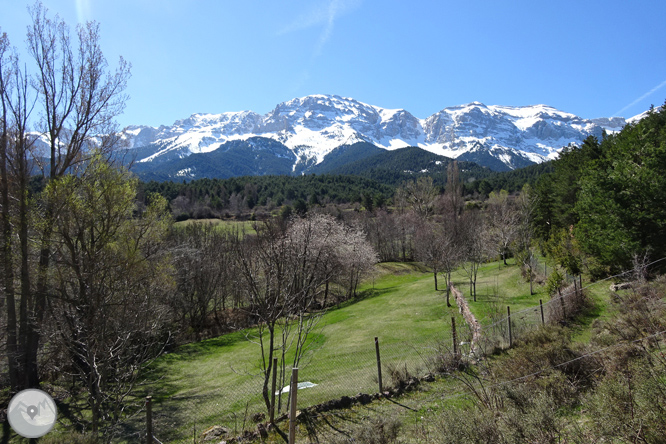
x=590, y=58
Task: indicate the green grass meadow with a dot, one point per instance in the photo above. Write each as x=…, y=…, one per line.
x=218, y=381
x=222, y=224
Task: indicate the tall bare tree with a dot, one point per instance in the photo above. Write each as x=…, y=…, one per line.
x=429, y=243
x=204, y=270
x=453, y=191
x=7, y=300
x=474, y=245
x=420, y=195
x=78, y=98
x=437, y=246
x=16, y=170
x=524, y=239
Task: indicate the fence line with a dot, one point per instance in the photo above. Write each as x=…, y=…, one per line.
x=229, y=412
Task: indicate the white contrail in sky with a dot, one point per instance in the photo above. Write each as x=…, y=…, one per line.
x=83, y=11
x=322, y=14
x=644, y=96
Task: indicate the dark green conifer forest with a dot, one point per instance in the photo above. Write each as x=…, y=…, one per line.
x=610, y=196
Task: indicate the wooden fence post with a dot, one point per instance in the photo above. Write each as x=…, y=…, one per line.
x=508, y=312
x=379, y=365
x=455, y=337
x=273, y=388
x=543, y=321
x=292, y=414
x=149, y=420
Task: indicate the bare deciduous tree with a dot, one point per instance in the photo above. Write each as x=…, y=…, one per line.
x=421, y=195
x=453, y=190
x=437, y=246
x=284, y=271
x=502, y=220
x=523, y=241
x=78, y=99
x=202, y=258
x=474, y=245
x=429, y=243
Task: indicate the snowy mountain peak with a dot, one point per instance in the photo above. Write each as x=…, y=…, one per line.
x=314, y=125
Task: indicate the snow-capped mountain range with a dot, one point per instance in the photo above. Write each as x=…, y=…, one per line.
x=307, y=129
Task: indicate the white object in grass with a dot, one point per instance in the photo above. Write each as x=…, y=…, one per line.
x=301, y=385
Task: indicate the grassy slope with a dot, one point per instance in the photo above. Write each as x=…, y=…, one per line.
x=212, y=382
x=497, y=286
x=216, y=380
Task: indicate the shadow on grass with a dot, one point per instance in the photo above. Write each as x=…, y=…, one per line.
x=321, y=428
x=184, y=418
x=363, y=295
x=156, y=380
x=196, y=349
x=582, y=322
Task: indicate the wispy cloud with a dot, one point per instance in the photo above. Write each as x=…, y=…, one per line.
x=643, y=97
x=322, y=14
x=83, y=11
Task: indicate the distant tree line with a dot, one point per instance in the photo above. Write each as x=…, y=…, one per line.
x=207, y=198
x=511, y=181
x=261, y=195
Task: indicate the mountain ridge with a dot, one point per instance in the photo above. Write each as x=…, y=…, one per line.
x=497, y=136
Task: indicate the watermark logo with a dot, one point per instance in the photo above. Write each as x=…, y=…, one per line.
x=32, y=413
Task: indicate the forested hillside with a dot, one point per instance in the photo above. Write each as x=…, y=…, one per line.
x=604, y=201
x=397, y=166
x=371, y=180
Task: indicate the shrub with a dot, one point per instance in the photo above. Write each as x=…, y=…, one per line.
x=377, y=431
x=401, y=377
x=182, y=216
x=630, y=405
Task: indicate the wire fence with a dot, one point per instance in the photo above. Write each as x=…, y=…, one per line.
x=336, y=375
x=327, y=375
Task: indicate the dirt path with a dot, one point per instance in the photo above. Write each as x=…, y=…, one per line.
x=469, y=318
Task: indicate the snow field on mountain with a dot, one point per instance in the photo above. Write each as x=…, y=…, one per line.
x=315, y=125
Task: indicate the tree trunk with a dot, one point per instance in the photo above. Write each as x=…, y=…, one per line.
x=269, y=367
x=531, y=280
x=7, y=256
x=448, y=288
x=29, y=335
x=325, y=295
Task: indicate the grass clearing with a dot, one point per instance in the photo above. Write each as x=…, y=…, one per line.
x=497, y=286
x=600, y=309
x=222, y=224
x=218, y=381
